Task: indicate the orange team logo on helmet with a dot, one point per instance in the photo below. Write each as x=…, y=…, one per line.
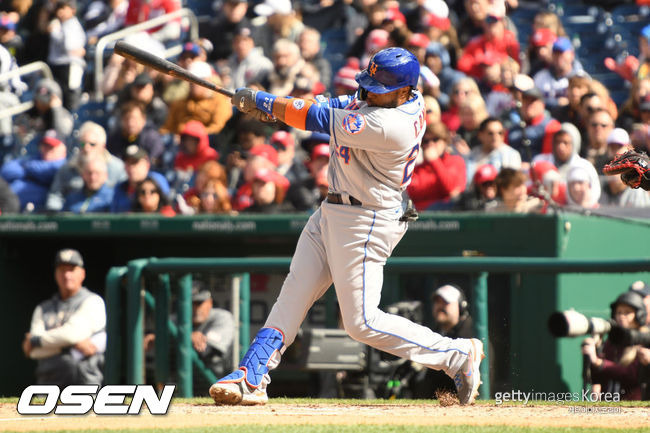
x=372, y=69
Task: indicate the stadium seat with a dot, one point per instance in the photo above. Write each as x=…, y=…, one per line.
x=619, y=96
x=96, y=111
x=611, y=80
x=199, y=7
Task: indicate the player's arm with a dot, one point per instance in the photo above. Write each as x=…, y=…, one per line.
x=305, y=114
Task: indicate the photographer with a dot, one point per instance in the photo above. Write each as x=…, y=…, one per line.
x=643, y=289
x=616, y=368
x=451, y=319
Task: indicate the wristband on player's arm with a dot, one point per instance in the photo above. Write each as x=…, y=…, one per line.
x=292, y=111
x=265, y=101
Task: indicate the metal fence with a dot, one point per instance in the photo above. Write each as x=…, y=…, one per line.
x=136, y=296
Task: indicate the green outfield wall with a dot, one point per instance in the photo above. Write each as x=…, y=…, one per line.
x=523, y=355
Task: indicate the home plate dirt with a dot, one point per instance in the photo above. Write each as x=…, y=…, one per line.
x=187, y=415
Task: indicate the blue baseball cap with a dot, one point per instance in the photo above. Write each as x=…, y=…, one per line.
x=191, y=48
x=562, y=44
x=6, y=23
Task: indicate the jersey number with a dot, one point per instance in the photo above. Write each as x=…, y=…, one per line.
x=410, y=161
x=344, y=153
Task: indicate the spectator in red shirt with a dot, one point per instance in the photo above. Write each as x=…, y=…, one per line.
x=496, y=41
x=441, y=176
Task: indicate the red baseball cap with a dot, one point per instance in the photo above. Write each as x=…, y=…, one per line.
x=540, y=168
x=320, y=150
x=283, y=138
x=265, y=175
x=419, y=40
x=267, y=151
x=268, y=175
x=485, y=173
x=542, y=37
x=52, y=138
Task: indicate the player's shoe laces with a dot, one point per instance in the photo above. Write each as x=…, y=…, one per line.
x=468, y=378
x=233, y=389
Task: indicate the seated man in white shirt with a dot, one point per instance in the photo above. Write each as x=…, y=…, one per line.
x=493, y=149
x=68, y=331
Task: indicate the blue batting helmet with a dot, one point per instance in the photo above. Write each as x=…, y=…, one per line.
x=388, y=70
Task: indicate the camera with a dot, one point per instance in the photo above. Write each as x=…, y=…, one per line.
x=629, y=337
x=570, y=323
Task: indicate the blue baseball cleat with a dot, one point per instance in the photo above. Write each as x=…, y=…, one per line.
x=247, y=384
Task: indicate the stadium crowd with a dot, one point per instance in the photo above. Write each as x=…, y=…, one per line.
x=524, y=105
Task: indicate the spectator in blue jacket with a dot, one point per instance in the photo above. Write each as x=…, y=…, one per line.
x=138, y=168
x=96, y=195
x=30, y=178
x=92, y=139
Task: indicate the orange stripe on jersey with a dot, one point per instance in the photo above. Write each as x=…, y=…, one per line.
x=296, y=112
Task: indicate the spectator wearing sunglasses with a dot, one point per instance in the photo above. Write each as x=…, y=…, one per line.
x=138, y=168
x=149, y=198
x=493, y=150
x=209, y=194
x=92, y=141
x=599, y=126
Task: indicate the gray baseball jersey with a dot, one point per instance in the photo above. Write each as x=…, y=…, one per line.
x=373, y=150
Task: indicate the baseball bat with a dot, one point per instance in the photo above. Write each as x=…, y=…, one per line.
x=165, y=66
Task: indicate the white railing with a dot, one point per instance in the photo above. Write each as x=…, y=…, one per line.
x=23, y=70
x=155, y=22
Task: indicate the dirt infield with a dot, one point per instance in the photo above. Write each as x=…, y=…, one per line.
x=189, y=415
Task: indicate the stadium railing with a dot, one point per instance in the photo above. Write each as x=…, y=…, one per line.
x=20, y=72
x=136, y=295
x=103, y=43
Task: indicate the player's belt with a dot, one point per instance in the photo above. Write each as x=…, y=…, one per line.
x=338, y=199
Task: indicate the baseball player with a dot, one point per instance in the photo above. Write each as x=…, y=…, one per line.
x=375, y=139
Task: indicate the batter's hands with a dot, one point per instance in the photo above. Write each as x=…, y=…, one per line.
x=86, y=347
x=199, y=341
x=244, y=100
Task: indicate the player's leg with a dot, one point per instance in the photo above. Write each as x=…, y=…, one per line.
x=358, y=277
x=308, y=279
